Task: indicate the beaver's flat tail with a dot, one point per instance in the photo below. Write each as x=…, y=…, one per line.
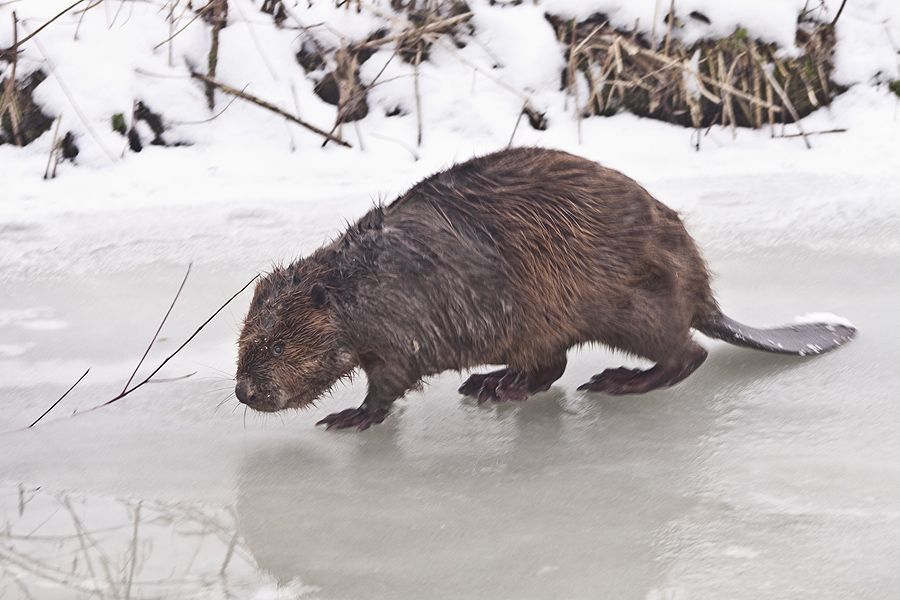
x=801, y=339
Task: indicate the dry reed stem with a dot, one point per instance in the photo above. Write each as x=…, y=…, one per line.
x=53, y=157
x=767, y=71
x=675, y=64
x=418, y=95
x=217, y=19
x=12, y=99
x=413, y=32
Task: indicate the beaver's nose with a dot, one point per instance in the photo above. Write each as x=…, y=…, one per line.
x=244, y=392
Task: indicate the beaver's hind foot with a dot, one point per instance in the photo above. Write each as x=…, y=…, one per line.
x=622, y=380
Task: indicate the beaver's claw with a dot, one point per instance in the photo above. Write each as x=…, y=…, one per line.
x=361, y=418
x=504, y=385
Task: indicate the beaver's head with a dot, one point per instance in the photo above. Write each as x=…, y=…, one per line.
x=289, y=352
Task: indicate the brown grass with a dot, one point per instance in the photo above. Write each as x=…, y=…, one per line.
x=735, y=81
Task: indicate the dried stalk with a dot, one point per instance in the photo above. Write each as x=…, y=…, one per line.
x=787, y=102
x=149, y=379
x=158, y=329
x=418, y=94
x=52, y=406
x=53, y=158
x=218, y=17
x=12, y=100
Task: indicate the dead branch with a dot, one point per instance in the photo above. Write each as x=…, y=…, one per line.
x=147, y=379
x=269, y=106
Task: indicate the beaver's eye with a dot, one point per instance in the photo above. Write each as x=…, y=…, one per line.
x=277, y=348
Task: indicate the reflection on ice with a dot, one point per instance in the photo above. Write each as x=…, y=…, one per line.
x=60, y=545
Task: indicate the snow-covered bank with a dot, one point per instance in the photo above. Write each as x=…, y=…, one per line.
x=248, y=172
x=101, y=61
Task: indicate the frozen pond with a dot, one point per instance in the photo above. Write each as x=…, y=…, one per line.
x=760, y=476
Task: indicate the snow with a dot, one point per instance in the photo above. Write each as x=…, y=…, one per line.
x=104, y=60
x=823, y=317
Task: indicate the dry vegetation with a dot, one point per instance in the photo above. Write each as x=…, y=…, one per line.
x=736, y=81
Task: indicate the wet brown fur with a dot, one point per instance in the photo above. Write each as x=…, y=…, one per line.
x=511, y=258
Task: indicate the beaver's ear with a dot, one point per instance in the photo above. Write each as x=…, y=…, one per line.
x=319, y=295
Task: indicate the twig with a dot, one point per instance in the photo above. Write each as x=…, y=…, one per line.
x=793, y=135
x=418, y=95
x=173, y=379
x=11, y=90
x=65, y=89
x=268, y=106
x=634, y=49
x=149, y=378
x=787, y=102
x=84, y=12
x=177, y=350
x=12, y=50
x=215, y=116
x=411, y=150
x=516, y=127
x=671, y=21
x=414, y=32
x=53, y=149
x=158, y=329
x=198, y=14
x=83, y=375
x=838, y=15
x=255, y=38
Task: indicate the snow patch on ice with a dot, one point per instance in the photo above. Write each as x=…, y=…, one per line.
x=13, y=350
x=740, y=552
x=34, y=319
x=289, y=591
x=823, y=317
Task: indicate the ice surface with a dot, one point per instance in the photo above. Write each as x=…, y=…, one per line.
x=759, y=474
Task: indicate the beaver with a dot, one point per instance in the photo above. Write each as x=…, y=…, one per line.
x=510, y=258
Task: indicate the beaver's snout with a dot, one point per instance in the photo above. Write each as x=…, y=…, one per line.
x=247, y=394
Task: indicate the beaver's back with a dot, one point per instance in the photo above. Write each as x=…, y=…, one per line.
x=583, y=248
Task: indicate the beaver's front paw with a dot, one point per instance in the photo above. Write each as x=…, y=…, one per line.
x=362, y=418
